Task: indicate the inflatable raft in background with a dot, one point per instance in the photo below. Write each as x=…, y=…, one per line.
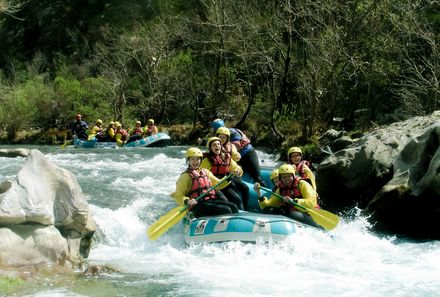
x=155, y=140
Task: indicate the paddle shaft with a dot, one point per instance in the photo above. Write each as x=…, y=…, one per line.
x=213, y=187
x=168, y=220
x=281, y=197
x=298, y=205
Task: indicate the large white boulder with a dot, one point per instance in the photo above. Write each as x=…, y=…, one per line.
x=45, y=212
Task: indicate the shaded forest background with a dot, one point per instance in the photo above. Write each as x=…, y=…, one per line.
x=277, y=68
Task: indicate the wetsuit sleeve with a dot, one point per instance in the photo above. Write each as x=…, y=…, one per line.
x=263, y=203
x=183, y=186
x=308, y=172
x=235, y=154
x=309, y=196
x=118, y=139
x=93, y=132
x=273, y=201
x=234, y=166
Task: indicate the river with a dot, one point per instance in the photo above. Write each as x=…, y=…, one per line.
x=128, y=189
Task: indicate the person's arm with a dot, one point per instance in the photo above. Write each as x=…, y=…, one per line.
x=214, y=180
x=119, y=141
x=235, y=168
x=235, y=154
x=309, y=174
x=155, y=130
x=309, y=196
x=93, y=132
x=183, y=186
x=273, y=201
x=84, y=125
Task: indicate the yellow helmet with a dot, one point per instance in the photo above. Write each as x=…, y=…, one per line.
x=151, y=121
x=293, y=149
x=99, y=121
x=111, y=123
x=138, y=122
x=287, y=168
x=274, y=174
x=223, y=130
x=193, y=152
x=210, y=140
x=118, y=125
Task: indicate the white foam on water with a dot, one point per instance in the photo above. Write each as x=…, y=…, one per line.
x=132, y=192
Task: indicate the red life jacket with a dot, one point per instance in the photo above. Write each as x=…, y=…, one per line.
x=300, y=168
x=123, y=133
x=290, y=191
x=99, y=130
x=150, y=130
x=293, y=191
x=220, y=167
x=138, y=130
x=200, y=184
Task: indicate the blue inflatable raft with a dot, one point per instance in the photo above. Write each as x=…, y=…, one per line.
x=156, y=140
x=244, y=226
x=265, y=174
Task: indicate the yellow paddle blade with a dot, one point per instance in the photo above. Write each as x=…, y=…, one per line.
x=64, y=144
x=166, y=221
x=171, y=218
x=326, y=219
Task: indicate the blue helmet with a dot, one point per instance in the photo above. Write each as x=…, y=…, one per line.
x=217, y=123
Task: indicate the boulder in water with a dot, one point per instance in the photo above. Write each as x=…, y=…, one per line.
x=44, y=216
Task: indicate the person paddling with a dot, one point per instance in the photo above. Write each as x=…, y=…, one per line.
x=111, y=132
x=150, y=128
x=223, y=133
x=121, y=135
x=79, y=128
x=195, y=181
x=136, y=133
x=221, y=164
x=291, y=188
x=97, y=132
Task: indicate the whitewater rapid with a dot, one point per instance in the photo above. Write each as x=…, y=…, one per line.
x=129, y=189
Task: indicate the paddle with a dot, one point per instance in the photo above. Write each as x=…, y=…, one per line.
x=66, y=142
x=322, y=217
x=172, y=217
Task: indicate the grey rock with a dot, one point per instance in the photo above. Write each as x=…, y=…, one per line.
x=49, y=202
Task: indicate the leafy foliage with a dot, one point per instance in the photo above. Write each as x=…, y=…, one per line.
x=288, y=66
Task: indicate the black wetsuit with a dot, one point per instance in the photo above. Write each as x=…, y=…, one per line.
x=218, y=206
